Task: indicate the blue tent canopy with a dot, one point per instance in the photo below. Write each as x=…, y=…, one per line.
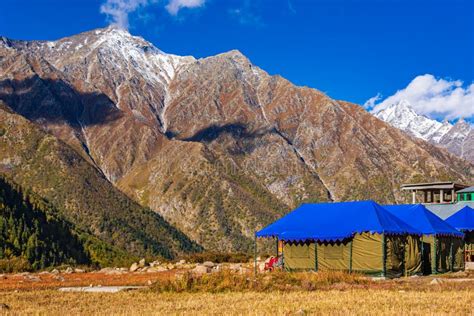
x=462, y=219
x=423, y=219
x=335, y=221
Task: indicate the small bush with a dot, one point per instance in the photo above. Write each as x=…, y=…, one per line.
x=227, y=281
x=15, y=264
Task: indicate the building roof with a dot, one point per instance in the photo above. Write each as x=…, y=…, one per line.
x=336, y=221
x=433, y=185
x=446, y=210
x=463, y=219
x=419, y=217
x=466, y=190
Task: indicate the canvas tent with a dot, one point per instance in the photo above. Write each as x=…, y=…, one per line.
x=442, y=244
x=354, y=236
x=463, y=220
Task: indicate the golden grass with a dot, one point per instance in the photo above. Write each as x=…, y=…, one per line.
x=330, y=292
x=334, y=302
x=226, y=281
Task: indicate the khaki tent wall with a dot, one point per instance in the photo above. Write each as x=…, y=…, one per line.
x=395, y=255
x=367, y=253
x=334, y=256
x=446, y=253
x=469, y=240
x=458, y=253
x=364, y=253
x=443, y=251
x=413, y=256
x=299, y=256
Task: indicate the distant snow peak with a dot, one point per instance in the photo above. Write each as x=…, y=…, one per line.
x=403, y=116
x=457, y=138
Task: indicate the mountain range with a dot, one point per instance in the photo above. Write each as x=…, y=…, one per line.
x=457, y=139
x=183, y=154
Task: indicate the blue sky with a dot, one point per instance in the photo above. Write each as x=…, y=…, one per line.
x=349, y=49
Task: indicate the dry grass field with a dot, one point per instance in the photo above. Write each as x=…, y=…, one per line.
x=333, y=294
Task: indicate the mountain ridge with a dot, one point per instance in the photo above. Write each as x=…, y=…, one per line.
x=218, y=147
x=457, y=139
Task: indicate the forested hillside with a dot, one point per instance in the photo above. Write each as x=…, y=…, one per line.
x=31, y=234
x=113, y=229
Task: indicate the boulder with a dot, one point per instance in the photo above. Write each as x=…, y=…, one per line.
x=58, y=278
x=182, y=261
x=55, y=271
x=111, y=271
x=142, y=263
x=235, y=266
x=32, y=278
x=208, y=264
x=69, y=270
x=436, y=281
x=134, y=267
x=200, y=269
x=156, y=269
x=79, y=270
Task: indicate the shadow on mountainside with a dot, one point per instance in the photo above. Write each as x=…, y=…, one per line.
x=57, y=101
x=244, y=139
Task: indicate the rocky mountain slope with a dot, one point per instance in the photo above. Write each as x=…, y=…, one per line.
x=216, y=145
x=457, y=139
x=115, y=227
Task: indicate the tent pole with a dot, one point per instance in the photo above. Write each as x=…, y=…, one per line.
x=434, y=268
x=384, y=255
x=422, y=256
x=350, y=257
x=277, y=247
x=451, y=256
x=463, y=254
x=255, y=255
x=404, y=257
x=315, y=255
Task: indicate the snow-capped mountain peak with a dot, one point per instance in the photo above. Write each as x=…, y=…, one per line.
x=403, y=116
x=457, y=138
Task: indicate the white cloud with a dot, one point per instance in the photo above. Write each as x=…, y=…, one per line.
x=370, y=103
x=118, y=11
x=174, y=6
x=433, y=97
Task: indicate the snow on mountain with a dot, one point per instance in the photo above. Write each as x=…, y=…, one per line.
x=455, y=138
x=114, y=46
x=402, y=116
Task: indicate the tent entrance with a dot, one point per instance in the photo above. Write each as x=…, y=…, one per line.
x=426, y=258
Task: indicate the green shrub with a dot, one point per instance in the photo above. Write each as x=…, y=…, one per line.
x=15, y=264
